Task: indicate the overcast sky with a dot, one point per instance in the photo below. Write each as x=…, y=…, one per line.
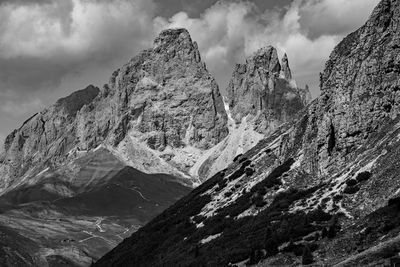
x=50, y=48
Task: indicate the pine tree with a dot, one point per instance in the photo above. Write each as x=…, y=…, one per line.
x=324, y=233
x=307, y=257
x=331, y=231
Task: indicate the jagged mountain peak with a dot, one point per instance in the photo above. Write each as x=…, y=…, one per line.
x=257, y=88
x=172, y=36
x=177, y=43
x=265, y=58
x=75, y=101
x=287, y=73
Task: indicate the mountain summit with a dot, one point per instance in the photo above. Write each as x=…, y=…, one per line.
x=154, y=111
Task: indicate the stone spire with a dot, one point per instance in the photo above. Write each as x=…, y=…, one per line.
x=287, y=73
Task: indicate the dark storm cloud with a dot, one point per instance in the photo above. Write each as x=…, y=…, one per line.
x=40, y=45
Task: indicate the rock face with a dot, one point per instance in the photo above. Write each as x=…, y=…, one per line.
x=167, y=95
x=156, y=110
x=45, y=136
x=287, y=73
x=328, y=181
x=258, y=88
x=261, y=96
x=360, y=84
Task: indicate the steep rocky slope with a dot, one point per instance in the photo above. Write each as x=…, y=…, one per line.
x=326, y=186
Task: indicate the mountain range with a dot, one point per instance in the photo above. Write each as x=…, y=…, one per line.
x=157, y=168
x=321, y=191
x=81, y=175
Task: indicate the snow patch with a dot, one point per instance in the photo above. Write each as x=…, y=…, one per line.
x=297, y=163
x=209, y=238
x=199, y=225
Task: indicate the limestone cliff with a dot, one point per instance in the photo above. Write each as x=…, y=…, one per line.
x=157, y=113
x=261, y=97
x=257, y=88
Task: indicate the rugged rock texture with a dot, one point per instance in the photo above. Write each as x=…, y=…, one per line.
x=45, y=136
x=258, y=88
x=161, y=112
x=360, y=84
x=327, y=183
x=261, y=96
x=287, y=73
x=166, y=94
x=156, y=112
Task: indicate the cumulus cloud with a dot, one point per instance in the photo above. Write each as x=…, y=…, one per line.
x=46, y=43
x=228, y=31
x=336, y=17
x=42, y=41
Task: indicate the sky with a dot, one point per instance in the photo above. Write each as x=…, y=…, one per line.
x=50, y=48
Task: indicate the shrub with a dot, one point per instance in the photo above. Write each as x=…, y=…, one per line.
x=324, y=233
x=249, y=171
x=237, y=157
x=363, y=176
x=351, y=189
x=351, y=182
x=240, y=171
x=307, y=257
x=394, y=202
x=331, y=232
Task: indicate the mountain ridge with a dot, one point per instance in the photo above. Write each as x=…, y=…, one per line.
x=95, y=166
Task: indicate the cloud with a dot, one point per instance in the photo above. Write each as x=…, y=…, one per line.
x=228, y=31
x=18, y=108
x=49, y=48
x=43, y=41
x=334, y=17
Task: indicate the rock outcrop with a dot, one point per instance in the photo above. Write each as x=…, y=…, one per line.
x=287, y=73
x=360, y=85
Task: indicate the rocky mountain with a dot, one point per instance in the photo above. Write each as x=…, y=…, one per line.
x=265, y=88
x=88, y=171
x=261, y=96
x=323, y=190
x=162, y=112
x=155, y=110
